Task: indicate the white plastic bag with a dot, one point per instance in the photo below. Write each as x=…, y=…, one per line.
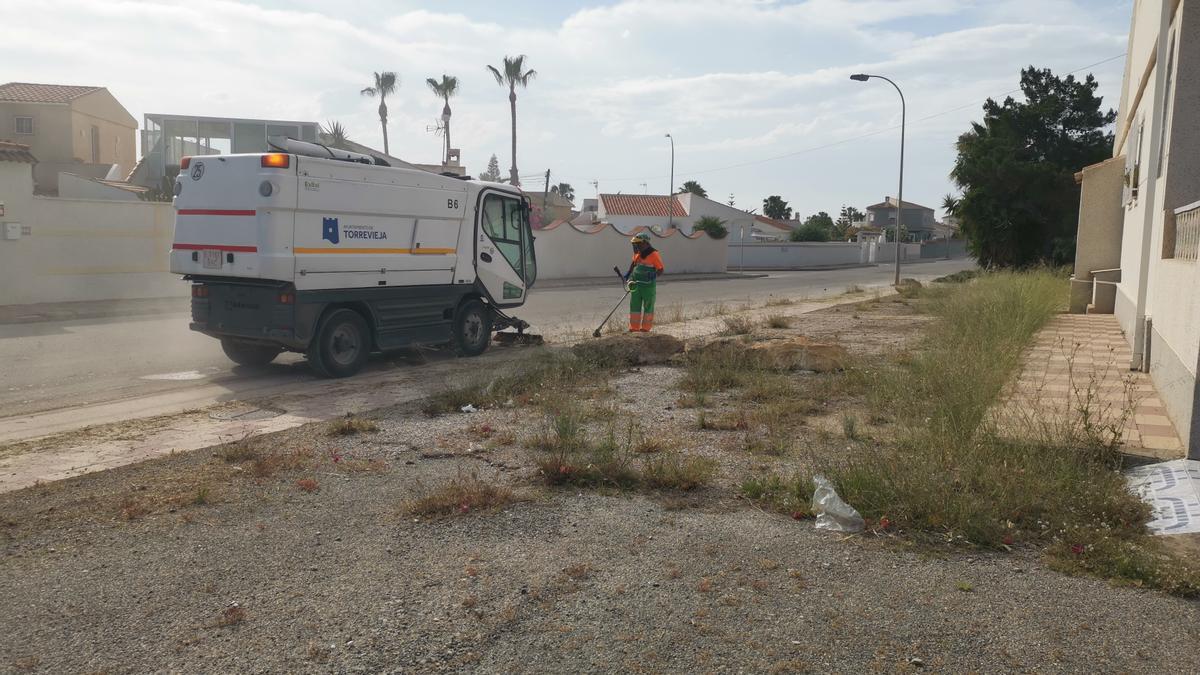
x=832, y=513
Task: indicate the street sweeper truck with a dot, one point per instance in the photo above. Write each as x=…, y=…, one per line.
x=336, y=254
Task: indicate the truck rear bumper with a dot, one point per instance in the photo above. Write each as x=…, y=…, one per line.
x=284, y=338
x=251, y=312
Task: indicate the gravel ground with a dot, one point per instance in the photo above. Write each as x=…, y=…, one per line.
x=192, y=563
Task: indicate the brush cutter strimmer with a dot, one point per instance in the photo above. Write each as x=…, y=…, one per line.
x=596, y=333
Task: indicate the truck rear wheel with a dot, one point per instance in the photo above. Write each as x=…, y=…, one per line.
x=472, y=328
x=342, y=344
x=249, y=353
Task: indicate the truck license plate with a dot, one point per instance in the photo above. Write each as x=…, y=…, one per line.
x=213, y=260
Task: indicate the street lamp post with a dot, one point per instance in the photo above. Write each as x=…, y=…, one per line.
x=671, y=187
x=862, y=77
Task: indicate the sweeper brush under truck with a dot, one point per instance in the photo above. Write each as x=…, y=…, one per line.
x=337, y=254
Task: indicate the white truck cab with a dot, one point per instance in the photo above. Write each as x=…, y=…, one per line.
x=339, y=255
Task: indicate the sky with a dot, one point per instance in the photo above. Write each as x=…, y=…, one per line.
x=756, y=93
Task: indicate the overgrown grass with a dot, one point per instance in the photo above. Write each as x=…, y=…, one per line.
x=951, y=477
x=547, y=376
x=569, y=455
x=716, y=370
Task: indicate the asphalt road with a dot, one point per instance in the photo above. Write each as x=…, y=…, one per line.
x=61, y=365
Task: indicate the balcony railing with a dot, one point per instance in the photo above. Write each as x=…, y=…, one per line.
x=1187, y=232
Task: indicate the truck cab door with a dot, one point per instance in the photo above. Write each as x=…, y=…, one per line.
x=504, y=259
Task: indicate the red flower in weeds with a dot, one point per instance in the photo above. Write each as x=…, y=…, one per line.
x=884, y=523
x=1008, y=540
x=1078, y=549
x=464, y=507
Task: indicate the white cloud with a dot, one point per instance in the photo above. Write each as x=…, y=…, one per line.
x=734, y=81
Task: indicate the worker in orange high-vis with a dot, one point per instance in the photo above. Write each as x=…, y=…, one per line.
x=642, y=279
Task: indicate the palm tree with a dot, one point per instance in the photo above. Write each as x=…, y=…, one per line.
x=514, y=74
x=385, y=83
x=564, y=190
x=950, y=205
x=444, y=90
x=333, y=134
x=692, y=187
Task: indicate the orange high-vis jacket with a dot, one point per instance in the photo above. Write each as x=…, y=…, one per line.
x=653, y=260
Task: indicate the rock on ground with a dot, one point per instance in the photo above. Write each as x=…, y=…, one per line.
x=631, y=349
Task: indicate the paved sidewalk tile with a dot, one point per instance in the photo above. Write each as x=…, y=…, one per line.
x=1075, y=382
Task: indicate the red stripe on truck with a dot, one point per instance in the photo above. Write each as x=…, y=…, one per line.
x=217, y=212
x=216, y=247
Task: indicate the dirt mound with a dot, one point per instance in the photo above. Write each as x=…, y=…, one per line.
x=794, y=352
x=630, y=349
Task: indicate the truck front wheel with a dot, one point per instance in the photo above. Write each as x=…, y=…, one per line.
x=342, y=344
x=249, y=353
x=472, y=328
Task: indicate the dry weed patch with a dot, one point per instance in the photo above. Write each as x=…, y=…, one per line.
x=351, y=425
x=779, y=321
x=738, y=325
x=459, y=496
x=232, y=615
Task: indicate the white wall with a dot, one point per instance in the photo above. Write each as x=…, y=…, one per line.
x=82, y=249
x=565, y=252
x=788, y=255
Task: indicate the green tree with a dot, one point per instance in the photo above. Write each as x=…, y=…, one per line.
x=810, y=231
x=821, y=220
x=333, y=134
x=444, y=89
x=1019, y=203
x=386, y=83
x=714, y=226
x=493, y=171
x=512, y=76
x=846, y=219
x=694, y=188
x=564, y=190
x=775, y=207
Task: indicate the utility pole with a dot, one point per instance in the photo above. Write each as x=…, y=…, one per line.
x=863, y=77
x=545, y=193
x=644, y=190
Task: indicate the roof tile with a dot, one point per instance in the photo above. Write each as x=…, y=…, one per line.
x=16, y=152
x=642, y=205
x=28, y=92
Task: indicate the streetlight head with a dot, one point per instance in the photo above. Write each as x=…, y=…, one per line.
x=666, y=135
x=860, y=77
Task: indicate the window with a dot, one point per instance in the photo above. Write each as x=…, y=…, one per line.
x=502, y=220
x=24, y=125
x=1165, y=137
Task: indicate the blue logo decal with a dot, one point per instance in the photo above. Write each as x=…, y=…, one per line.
x=329, y=230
